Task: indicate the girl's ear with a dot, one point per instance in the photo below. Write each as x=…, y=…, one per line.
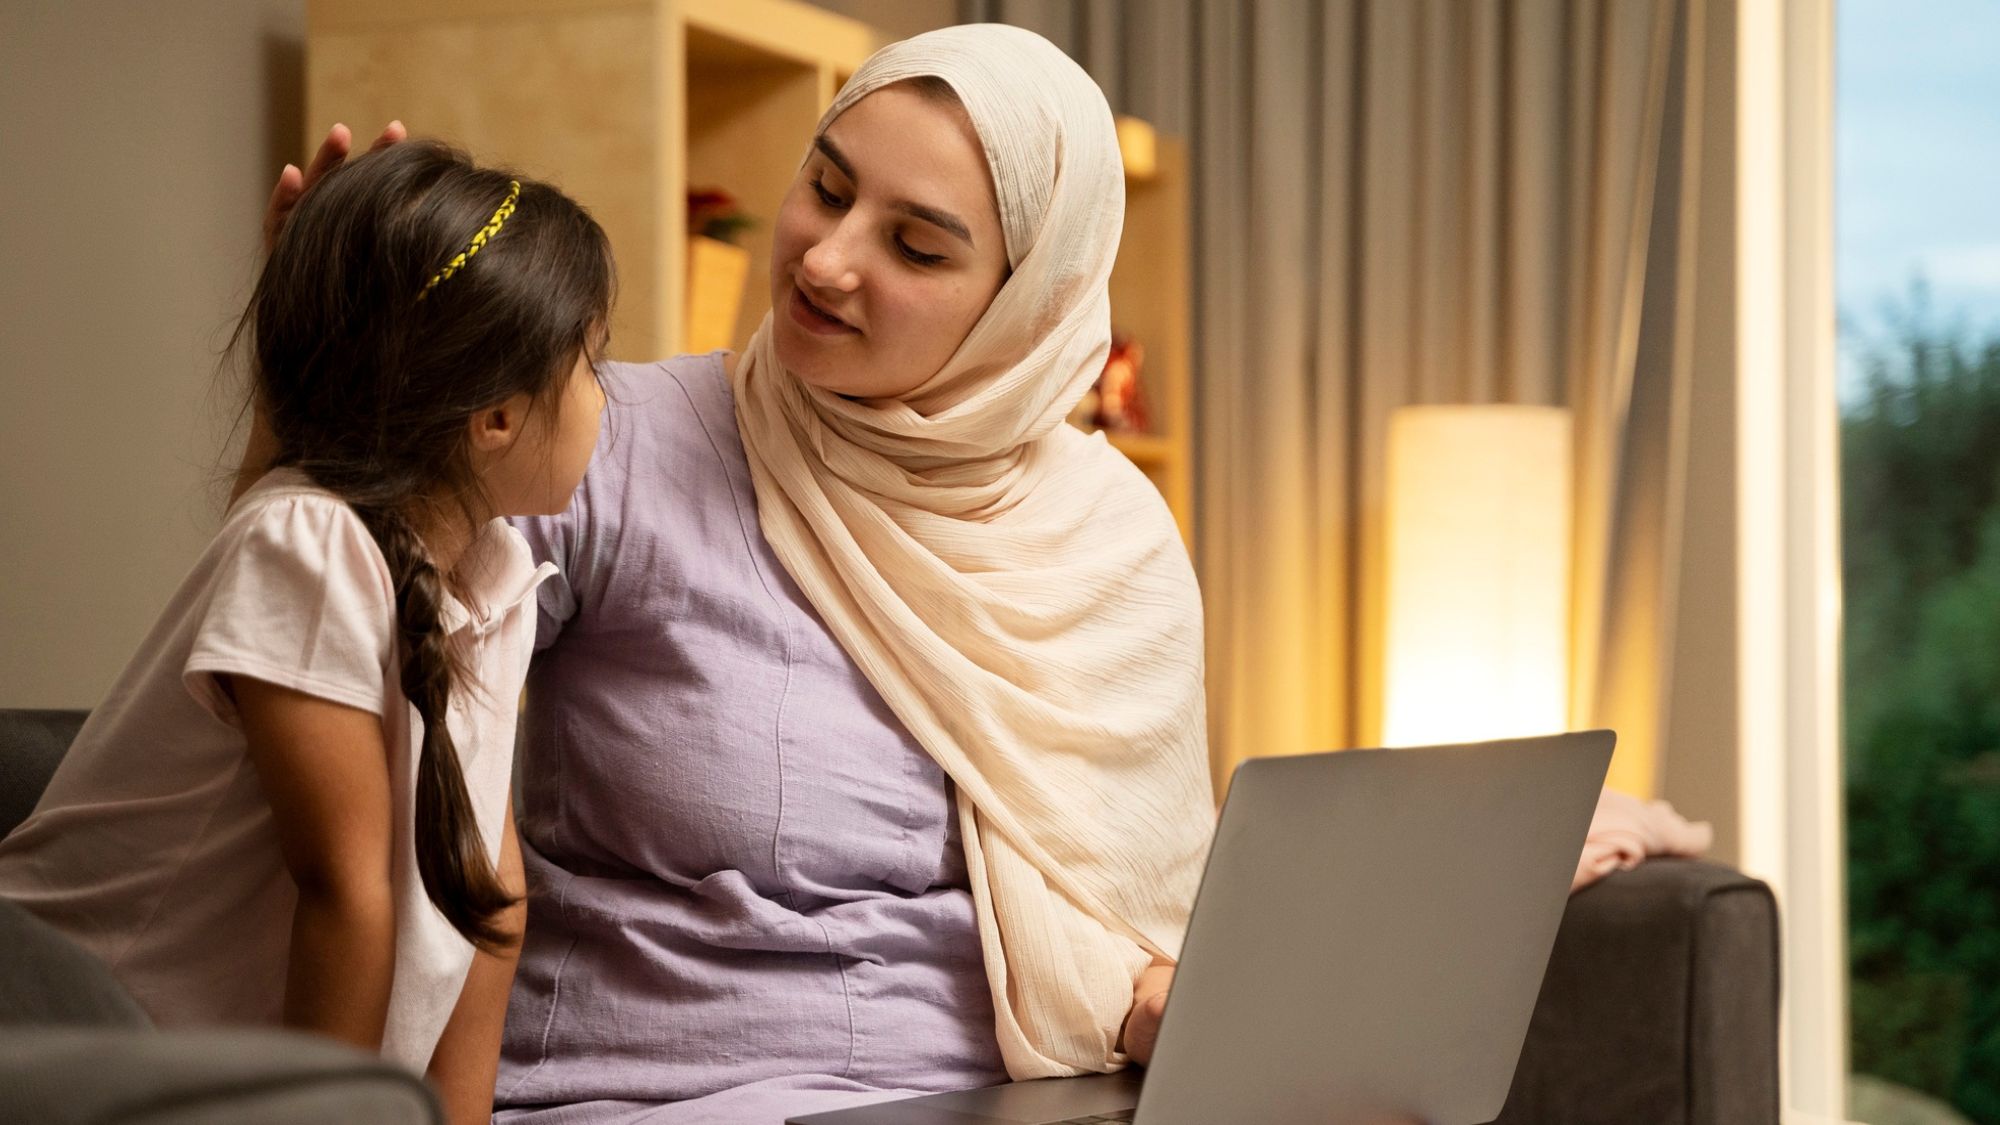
x=495, y=428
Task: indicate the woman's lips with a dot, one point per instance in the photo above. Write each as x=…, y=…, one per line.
x=813, y=319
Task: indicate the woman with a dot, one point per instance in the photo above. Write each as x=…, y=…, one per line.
x=866, y=750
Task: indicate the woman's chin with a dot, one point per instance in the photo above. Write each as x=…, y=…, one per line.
x=808, y=359
x=851, y=375
x=812, y=370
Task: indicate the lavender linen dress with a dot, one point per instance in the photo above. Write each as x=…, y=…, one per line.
x=747, y=897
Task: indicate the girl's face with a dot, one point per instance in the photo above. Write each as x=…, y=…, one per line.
x=537, y=457
x=887, y=249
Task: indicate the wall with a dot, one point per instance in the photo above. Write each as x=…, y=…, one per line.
x=139, y=143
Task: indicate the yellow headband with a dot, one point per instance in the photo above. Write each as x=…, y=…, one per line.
x=491, y=228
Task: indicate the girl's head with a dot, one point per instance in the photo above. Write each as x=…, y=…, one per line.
x=422, y=342
x=948, y=241
x=457, y=399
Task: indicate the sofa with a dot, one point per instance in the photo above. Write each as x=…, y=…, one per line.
x=1659, y=1007
x=75, y=1048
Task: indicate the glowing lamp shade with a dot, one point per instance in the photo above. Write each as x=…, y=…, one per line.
x=1478, y=568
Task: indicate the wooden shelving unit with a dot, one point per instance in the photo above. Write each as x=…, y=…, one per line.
x=1149, y=299
x=1148, y=451
x=623, y=103
x=627, y=103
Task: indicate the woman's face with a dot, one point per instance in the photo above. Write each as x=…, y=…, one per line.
x=888, y=247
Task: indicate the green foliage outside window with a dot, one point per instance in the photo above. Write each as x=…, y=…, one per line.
x=1921, y=513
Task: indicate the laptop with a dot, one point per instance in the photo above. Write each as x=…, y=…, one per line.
x=1367, y=946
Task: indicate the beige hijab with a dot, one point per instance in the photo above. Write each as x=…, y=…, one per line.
x=1015, y=589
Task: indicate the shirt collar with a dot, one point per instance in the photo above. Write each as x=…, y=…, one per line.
x=497, y=573
x=498, y=569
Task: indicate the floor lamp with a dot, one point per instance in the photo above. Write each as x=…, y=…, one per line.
x=1478, y=569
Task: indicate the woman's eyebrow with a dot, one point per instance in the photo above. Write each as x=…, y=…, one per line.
x=832, y=152
x=943, y=220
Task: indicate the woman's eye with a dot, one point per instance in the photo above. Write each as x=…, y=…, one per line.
x=826, y=197
x=917, y=256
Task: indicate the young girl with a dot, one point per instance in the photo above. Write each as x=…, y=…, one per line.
x=292, y=807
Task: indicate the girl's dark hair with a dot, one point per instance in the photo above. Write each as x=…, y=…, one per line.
x=368, y=391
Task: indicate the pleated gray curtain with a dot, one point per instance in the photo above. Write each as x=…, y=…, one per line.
x=1418, y=201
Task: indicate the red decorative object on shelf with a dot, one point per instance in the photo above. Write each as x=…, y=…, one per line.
x=1120, y=398
x=714, y=213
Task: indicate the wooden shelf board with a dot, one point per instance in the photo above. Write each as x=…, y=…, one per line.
x=800, y=32
x=1144, y=450
x=323, y=16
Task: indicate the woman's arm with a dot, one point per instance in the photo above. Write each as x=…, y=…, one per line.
x=325, y=770
x=467, y=1058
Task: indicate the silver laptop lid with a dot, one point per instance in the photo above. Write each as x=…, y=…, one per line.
x=1371, y=932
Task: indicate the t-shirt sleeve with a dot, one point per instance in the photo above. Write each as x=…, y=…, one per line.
x=303, y=599
x=553, y=539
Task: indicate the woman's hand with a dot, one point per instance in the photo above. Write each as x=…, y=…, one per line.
x=1149, y=1004
x=293, y=183
x=1142, y=1025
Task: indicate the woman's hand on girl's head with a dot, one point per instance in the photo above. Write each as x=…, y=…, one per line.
x=293, y=183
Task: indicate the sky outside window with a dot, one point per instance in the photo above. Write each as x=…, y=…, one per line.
x=1917, y=164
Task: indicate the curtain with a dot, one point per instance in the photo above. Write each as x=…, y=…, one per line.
x=1418, y=201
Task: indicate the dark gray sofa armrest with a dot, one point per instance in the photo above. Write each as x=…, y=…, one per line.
x=128, y=1076
x=32, y=744
x=1660, y=1006
x=75, y=1048
x=48, y=980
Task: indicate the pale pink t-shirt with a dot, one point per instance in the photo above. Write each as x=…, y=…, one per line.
x=154, y=847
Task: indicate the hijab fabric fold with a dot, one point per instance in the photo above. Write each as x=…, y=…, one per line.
x=1015, y=589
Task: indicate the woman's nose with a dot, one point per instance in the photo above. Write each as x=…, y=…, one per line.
x=829, y=263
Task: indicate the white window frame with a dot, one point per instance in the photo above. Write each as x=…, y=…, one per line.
x=1788, y=593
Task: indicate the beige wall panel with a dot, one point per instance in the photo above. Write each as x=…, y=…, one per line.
x=140, y=143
